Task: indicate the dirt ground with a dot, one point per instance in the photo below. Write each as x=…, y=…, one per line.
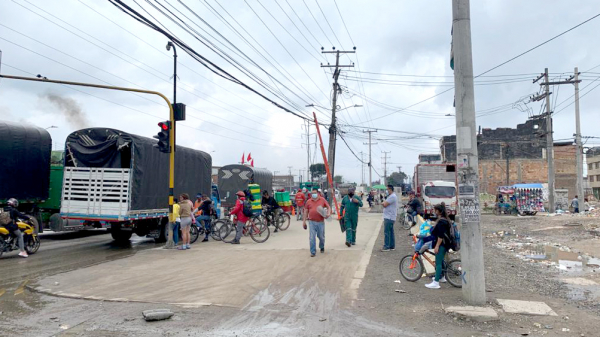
x=539, y=258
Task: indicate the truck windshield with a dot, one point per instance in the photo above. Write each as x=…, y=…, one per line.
x=440, y=191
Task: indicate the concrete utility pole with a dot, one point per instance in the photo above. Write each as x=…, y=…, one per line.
x=308, y=151
x=291, y=178
x=549, y=136
x=579, y=154
x=507, y=167
x=473, y=287
x=385, y=157
x=370, y=162
x=362, y=168
x=336, y=89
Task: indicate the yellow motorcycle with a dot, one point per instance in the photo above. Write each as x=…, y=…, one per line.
x=8, y=242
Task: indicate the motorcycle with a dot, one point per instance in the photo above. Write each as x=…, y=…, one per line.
x=8, y=242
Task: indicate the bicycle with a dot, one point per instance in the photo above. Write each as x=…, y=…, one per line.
x=406, y=219
x=200, y=230
x=257, y=229
x=412, y=267
x=281, y=220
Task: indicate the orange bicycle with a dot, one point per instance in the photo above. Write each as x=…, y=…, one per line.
x=412, y=267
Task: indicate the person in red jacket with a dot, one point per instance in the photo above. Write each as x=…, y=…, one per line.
x=238, y=211
x=300, y=199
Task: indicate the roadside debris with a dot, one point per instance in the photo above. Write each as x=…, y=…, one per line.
x=157, y=314
x=400, y=291
x=322, y=319
x=397, y=281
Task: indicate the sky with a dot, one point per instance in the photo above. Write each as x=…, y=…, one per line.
x=274, y=46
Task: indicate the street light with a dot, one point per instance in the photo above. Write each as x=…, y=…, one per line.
x=169, y=45
x=338, y=108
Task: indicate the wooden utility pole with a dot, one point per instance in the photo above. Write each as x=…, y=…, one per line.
x=336, y=89
x=473, y=279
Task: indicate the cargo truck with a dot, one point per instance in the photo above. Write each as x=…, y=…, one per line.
x=120, y=181
x=233, y=178
x=434, y=184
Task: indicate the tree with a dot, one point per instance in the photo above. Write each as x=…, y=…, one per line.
x=317, y=170
x=338, y=179
x=396, y=178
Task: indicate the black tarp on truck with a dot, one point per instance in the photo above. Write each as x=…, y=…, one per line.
x=148, y=167
x=24, y=162
x=233, y=178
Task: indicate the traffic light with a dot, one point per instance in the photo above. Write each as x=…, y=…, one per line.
x=163, y=144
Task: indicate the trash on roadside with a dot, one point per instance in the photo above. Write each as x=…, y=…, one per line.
x=322, y=319
x=64, y=326
x=157, y=314
x=397, y=281
x=537, y=325
x=55, y=319
x=400, y=291
x=566, y=329
x=549, y=327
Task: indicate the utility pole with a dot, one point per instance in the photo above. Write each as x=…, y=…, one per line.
x=308, y=151
x=370, y=162
x=473, y=285
x=400, y=172
x=385, y=157
x=549, y=136
x=507, y=167
x=336, y=89
x=362, y=168
x=579, y=154
x=291, y=178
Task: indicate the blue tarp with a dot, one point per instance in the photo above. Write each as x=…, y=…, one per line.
x=527, y=186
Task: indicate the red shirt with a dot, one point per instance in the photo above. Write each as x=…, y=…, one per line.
x=300, y=199
x=238, y=210
x=312, y=205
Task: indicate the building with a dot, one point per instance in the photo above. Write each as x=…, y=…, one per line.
x=510, y=156
x=215, y=174
x=285, y=182
x=593, y=170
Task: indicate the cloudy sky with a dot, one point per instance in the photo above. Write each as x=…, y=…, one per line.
x=274, y=46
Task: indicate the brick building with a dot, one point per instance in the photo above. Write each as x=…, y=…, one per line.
x=523, y=151
x=593, y=170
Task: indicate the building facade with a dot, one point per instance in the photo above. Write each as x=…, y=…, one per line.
x=593, y=170
x=517, y=156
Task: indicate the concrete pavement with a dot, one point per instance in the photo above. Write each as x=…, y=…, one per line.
x=248, y=275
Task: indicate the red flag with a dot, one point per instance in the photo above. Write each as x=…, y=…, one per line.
x=249, y=157
x=252, y=163
x=243, y=157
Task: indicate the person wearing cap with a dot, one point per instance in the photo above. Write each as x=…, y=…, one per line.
x=238, y=211
x=300, y=198
x=349, y=208
x=316, y=210
x=202, y=214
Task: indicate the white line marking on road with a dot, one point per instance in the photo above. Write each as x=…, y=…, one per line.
x=361, y=270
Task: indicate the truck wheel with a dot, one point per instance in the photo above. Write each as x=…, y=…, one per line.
x=162, y=236
x=118, y=234
x=56, y=223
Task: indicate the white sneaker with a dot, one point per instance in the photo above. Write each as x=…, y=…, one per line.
x=23, y=254
x=433, y=285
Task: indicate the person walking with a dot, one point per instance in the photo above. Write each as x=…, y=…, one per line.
x=185, y=213
x=300, y=200
x=238, y=211
x=351, y=204
x=441, y=242
x=390, y=211
x=316, y=210
x=575, y=205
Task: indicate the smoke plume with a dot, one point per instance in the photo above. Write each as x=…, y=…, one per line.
x=70, y=109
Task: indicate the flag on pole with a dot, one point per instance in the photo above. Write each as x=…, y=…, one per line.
x=249, y=157
x=252, y=163
x=243, y=157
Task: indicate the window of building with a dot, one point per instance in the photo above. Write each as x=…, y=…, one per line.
x=591, y=179
x=598, y=165
x=597, y=178
x=590, y=166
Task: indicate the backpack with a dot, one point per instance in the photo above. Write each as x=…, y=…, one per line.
x=247, y=209
x=454, y=237
x=5, y=218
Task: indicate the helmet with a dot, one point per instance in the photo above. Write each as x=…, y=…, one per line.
x=304, y=190
x=13, y=202
x=240, y=194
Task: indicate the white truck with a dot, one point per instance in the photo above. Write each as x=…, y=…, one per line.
x=434, y=184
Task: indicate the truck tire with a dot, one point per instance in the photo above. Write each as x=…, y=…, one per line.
x=119, y=235
x=56, y=223
x=162, y=236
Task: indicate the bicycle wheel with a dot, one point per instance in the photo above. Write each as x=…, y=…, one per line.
x=226, y=231
x=282, y=221
x=404, y=222
x=454, y=273
x=194, y=233
x=214, y=230
x=411, y=268
x=259, y=232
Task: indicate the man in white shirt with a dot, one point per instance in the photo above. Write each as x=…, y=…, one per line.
x=390, y=211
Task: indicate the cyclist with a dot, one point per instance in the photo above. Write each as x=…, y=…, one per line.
x=203, y=212
x=271, y=207
x=12, y=226
x=415, y=205
x=238, y=211
x=300, y=199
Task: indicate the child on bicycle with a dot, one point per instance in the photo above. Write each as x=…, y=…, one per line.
x=424, y=236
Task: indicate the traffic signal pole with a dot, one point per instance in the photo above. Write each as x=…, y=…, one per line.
x=150, y=92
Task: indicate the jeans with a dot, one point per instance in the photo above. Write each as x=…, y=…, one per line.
x=239, y=230
x=389, y=241
x=424, y=243
x=439, y=262
x=576, y=210
x=175, y=231
x=317, y=229
x=20, y=241
x=206, y=219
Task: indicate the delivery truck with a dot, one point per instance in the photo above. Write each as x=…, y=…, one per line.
x=120, y=181
x=235, y=177
x=434, y=184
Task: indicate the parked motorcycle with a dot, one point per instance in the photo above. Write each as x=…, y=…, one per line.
x=9, y=243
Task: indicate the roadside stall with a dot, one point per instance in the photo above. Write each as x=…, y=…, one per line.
x=529, y=198
x=505, y=201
